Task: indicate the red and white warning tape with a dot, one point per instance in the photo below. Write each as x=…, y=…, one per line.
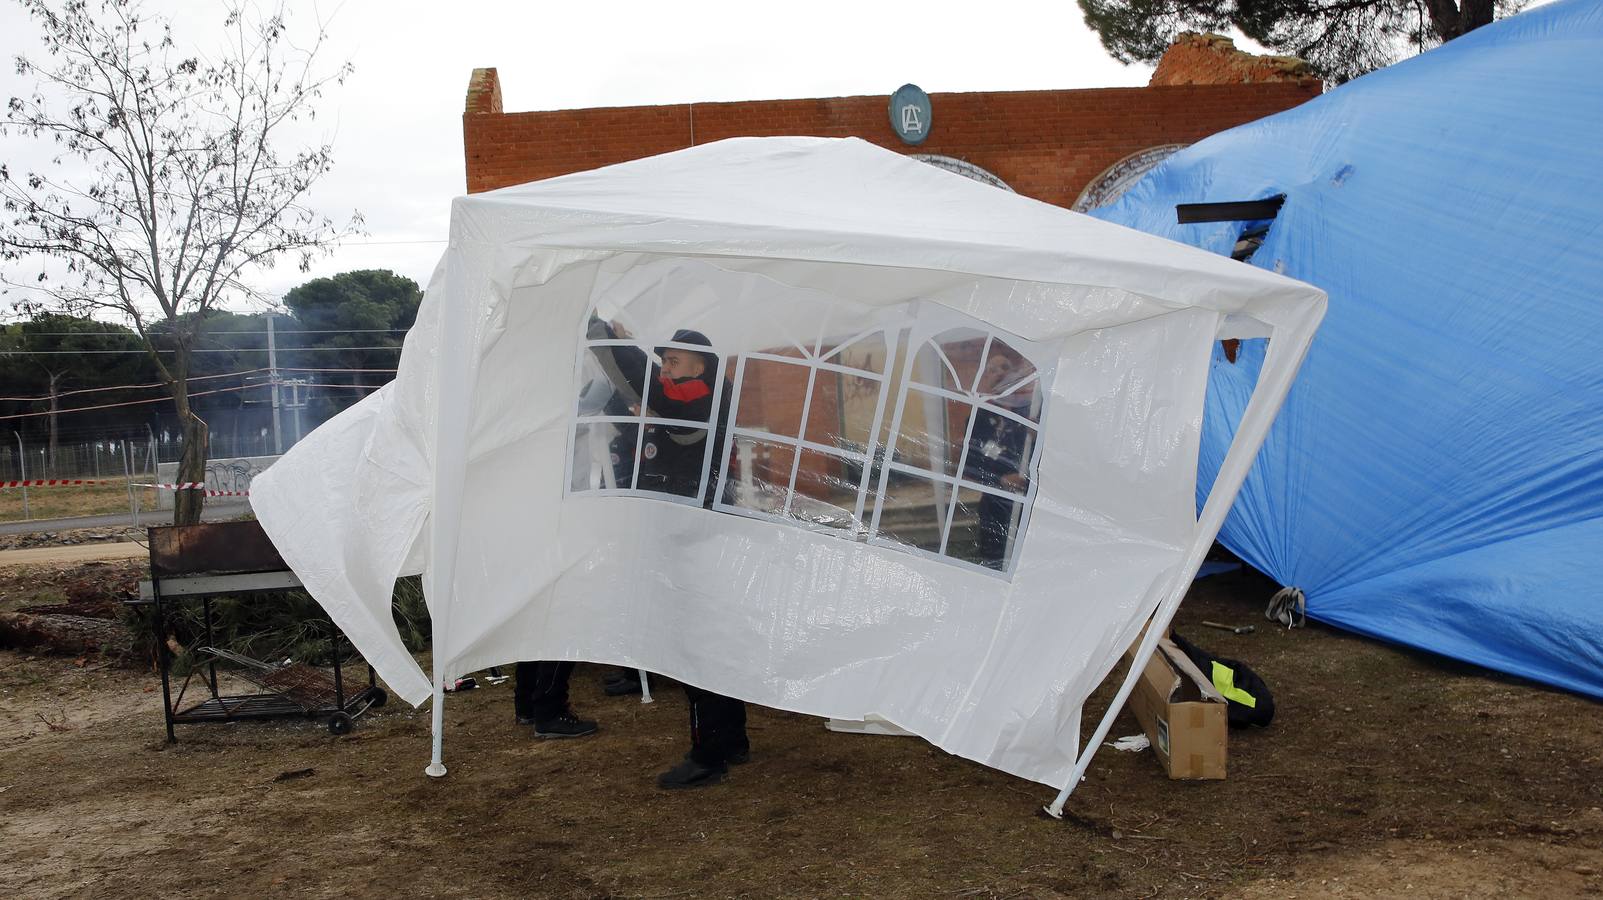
x=65, y=482
x=195, y=486
x=50, y=482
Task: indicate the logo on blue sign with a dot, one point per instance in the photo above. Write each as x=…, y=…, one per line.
x=910, y=114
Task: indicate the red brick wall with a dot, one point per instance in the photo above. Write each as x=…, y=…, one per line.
x=1044, y=144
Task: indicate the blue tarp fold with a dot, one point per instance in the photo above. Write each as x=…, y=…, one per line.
x=1436, y=476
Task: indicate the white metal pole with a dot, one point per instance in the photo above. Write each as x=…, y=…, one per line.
x=436, y=766
x=295, y=392
x=128, y=479
x=453, y=422
x=1288, y=346
x=136, y=493
x=22, y=464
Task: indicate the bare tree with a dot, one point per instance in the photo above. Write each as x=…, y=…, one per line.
x=168, y=185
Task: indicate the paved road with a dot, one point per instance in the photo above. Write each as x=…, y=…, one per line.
x=214, y=512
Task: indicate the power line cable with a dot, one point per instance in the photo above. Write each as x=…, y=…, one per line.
x=78, y=409
x=318, y=384
x=323, y=331
x=128, y=387
x=241, y=372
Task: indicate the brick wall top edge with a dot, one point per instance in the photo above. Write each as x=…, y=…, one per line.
x=1064, y=94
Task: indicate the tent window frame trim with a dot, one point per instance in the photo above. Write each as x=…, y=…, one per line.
x=814, y=361
x=930, y=322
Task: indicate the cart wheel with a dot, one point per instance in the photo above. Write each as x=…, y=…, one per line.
x=340, y=723
x=377, y=697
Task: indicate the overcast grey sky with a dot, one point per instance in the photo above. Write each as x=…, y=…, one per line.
x=396, y=123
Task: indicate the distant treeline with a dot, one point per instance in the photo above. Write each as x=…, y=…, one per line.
x=336, y=327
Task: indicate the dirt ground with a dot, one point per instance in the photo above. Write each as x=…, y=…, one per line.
x=106, y=550
x=66, y=540
x=1386, y=773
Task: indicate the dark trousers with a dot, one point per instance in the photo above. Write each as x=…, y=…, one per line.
x=540, y=689
x=995, y=523
x=717, y=727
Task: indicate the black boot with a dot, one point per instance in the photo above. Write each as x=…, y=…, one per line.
x=621, y=683
x=563, y=725
x=692, y=774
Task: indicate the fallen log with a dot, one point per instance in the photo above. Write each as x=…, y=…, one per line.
x=76, y=635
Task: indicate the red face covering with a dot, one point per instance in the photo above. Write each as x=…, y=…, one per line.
x=687, y=391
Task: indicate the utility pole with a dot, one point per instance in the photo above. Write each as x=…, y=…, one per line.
x=272, y=375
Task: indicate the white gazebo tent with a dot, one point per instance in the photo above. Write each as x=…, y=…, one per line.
x=479, y=465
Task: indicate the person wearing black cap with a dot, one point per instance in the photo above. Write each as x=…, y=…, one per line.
x=684, y=387
x=671, y=456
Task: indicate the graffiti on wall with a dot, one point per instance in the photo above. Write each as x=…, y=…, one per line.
x=233, y=474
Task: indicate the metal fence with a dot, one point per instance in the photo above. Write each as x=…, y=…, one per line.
x=21, y=460
x=101, y=459
x=133, y=461
x=142, y=464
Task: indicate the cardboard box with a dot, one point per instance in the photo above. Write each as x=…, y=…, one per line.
x=1183, y=714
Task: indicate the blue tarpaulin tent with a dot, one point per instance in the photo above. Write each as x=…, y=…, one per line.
x=1436, y=476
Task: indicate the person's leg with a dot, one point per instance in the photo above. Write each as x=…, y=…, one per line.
x=717, y=724
x=621, y=682
x=739, y=745
x=546, y=687
x=717, y=739
x=523, y=681
x=549, y=696
x=995, y=516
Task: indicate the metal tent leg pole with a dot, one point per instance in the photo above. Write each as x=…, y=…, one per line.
x=339, y=681
x=163, y=662
x=1288, y=345
x=211, y=641
x=1056, y=809
x=436, y=768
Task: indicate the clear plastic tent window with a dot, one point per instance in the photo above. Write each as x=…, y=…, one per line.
x=872, y=440
x=914, y=428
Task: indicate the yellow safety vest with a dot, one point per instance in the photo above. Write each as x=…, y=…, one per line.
x=1224, y=679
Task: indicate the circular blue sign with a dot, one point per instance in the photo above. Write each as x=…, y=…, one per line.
x=911, y=114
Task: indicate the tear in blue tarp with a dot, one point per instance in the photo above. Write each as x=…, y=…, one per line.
x=1436, y=476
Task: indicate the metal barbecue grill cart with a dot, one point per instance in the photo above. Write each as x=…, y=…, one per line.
x=201, y=562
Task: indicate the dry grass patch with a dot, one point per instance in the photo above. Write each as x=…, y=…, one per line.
x=107, y=498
